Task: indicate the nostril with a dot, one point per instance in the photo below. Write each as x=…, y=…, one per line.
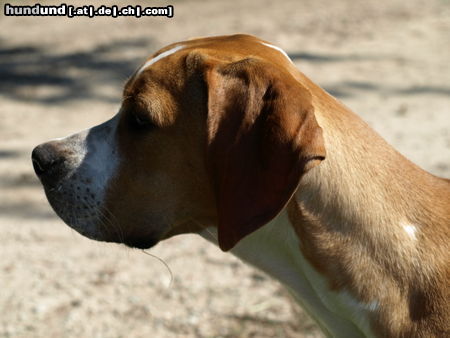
x=38, y=168
x=44, y=159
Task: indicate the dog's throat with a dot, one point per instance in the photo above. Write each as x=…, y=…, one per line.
x=274, y=249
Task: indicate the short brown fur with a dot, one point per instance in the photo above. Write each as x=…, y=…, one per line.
x=348, y=212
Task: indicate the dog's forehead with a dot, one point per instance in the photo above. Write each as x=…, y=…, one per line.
x=225, y=48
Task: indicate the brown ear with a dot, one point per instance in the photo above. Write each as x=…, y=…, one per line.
x=262, y=137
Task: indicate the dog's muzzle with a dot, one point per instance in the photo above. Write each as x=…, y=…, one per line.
x=49, y=164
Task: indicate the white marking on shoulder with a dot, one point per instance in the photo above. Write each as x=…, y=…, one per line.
x=159, y=57
x=278, y=49
x=410, y=230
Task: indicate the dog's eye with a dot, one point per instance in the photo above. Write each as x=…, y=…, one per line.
x=141, y=121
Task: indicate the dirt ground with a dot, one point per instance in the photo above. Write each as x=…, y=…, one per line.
x=388, y=60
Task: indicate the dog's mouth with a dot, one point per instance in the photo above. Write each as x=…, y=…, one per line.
x=88, y=217
x=141, y=242
x=79, y=200
x=80, y=212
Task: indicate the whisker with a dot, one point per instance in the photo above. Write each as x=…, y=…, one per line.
x=164, y=263
x=107, y=218
x=212, y=235
x=113, y=221
x=110, y=223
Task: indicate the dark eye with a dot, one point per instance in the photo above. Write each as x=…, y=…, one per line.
x=141, y=121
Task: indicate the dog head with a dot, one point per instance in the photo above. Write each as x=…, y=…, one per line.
x=211, y=132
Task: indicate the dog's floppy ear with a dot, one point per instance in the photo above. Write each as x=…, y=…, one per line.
x=262, y=137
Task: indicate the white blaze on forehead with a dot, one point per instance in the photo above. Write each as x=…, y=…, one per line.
x=278, y=49
x=159, y=57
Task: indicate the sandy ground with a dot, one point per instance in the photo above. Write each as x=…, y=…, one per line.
x=387, y=60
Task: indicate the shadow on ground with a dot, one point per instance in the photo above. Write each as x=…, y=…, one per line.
x=26, y=210
x=4, y=154
x=24, y=207
x=349, y=88
x=71, y=76
x=36, y=74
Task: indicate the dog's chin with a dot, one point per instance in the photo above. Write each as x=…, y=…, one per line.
x=89, y=222
x=141, y=243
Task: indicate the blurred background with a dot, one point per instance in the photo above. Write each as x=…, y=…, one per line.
x=388, y=60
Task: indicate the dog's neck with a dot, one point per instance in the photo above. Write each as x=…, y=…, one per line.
x=364, y=179
x=369, y=193
x=375, y=224
x=274, y=249
x=349, y=242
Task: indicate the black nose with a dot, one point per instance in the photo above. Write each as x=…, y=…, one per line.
x=47, y=162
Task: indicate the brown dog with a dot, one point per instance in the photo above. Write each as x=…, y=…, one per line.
x=225, y=137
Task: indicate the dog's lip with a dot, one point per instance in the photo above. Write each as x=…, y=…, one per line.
x=144, y=242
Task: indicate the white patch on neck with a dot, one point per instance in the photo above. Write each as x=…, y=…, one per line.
x=159, y=57
x=357, y=305
x=372, y=306
x=275, y=249
x=410, y=230
x=278, y=49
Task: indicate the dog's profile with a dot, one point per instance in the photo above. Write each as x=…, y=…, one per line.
x=224, y=137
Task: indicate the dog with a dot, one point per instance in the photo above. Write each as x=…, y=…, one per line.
x=225, y=137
